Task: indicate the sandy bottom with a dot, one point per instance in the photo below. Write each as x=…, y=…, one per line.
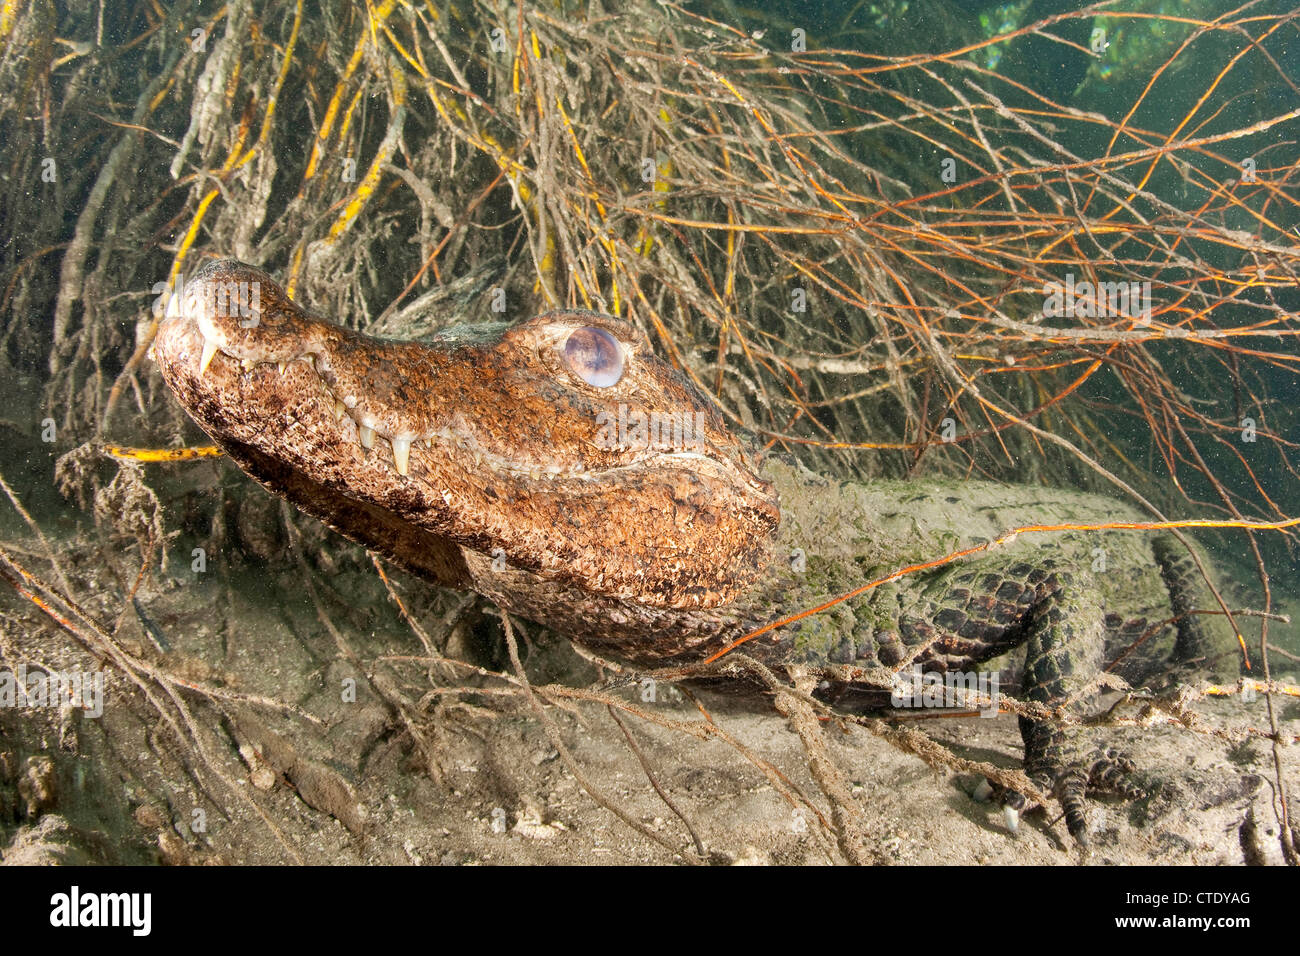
x=316, y=737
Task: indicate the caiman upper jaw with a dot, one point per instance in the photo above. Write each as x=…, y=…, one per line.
x=244, y=315
x=494, y=440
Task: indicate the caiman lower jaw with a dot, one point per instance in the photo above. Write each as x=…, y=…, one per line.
x=299, y=402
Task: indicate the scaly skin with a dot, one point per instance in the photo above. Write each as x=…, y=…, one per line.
x=477, y=460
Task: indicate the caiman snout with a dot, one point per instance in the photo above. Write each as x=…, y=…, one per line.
x=560, y=443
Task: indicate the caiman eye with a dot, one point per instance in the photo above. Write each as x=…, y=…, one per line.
x=594, y=356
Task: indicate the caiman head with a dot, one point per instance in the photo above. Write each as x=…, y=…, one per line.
x=560, y=445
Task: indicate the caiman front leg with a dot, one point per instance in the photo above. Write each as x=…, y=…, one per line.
x=1063, y=652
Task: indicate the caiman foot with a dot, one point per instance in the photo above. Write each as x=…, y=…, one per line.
x=1063, y=651
x=1102, y=772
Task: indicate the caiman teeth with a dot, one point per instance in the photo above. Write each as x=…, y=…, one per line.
x=210, y=349
x=348, y=405
x=1011, y=816
x=401, y=454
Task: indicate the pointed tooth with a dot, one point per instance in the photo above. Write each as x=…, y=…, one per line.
x=367, y=436
x=1011, y=816
x=209, y=349
x=401, y=454
x=339, y=410
x=280, y=366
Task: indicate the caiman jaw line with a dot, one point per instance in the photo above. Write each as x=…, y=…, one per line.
x=367, y=424
x=368, y=427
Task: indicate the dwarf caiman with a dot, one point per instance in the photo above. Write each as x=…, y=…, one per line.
x=562, y=469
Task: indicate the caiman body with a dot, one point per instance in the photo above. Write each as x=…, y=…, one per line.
x=485, y=459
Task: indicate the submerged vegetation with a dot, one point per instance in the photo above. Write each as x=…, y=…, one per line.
x=1033, y=243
